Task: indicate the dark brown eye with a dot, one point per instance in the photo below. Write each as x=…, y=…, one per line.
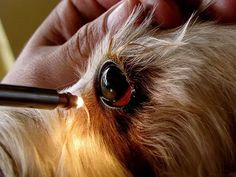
x=115, y=90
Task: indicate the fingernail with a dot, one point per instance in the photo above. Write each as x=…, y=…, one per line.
x=149, y=5
x=120, y=14
x=148, y=2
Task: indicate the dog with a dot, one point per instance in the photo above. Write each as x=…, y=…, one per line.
x=157, y=103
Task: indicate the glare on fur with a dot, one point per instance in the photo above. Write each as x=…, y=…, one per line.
x=181, y=125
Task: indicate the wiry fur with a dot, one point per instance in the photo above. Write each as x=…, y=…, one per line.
x=185, y=127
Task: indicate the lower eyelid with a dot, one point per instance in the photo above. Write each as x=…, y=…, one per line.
x=120, y=85
x=125, y=99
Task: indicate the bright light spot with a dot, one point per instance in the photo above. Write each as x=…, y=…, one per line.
x=80, y=102
x=69, y=122
x=77, y=143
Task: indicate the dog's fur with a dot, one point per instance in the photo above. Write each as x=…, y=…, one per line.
x=185, y=127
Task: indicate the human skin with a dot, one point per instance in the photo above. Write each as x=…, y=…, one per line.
x=74, y=27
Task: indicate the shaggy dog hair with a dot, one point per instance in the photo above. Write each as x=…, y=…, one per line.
x=181, y=124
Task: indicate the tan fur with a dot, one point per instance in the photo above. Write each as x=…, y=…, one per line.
x=186, y=128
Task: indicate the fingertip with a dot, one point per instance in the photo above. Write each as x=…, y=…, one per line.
x=223, y=11
x=83, y=42
x=167, y=13
x=120, y=14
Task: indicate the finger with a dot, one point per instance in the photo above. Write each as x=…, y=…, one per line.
x=187, y=7
x=77, y=50
x=52, y=67
x=223, y=11
x=108, y=3
x=66, y=19
x=61, y=24
x=89, y=9
x=167, y=13
x=84, y=41
x=47, y=68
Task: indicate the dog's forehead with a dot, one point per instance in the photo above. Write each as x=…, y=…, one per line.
x=139, y=48
x=113, y=47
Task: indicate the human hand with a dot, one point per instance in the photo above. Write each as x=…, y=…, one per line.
x=65, y=39
x=72, y=30
x=172, y=13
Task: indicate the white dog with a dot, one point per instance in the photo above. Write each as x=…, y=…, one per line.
x=157, y=103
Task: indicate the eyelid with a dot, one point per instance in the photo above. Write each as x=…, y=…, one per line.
x=123, y=100
x=126, y=94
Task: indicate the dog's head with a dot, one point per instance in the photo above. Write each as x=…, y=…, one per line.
x=159, y=103
x=156, y=104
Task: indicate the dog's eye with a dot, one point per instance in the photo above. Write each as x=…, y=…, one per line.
x=115, y=90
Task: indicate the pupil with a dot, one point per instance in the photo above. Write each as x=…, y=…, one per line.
x=113, y=84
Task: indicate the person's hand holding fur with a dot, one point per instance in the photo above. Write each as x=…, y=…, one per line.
x=69, y=34
x=65, y=39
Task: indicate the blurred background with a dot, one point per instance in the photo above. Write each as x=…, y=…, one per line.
x=18, y=20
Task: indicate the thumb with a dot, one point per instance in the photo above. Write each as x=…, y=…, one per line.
x=51, y=66
x=79, y=47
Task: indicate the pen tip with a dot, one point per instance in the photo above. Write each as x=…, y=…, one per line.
x=79, y=102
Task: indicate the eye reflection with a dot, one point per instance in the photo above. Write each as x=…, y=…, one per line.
x=115, y=90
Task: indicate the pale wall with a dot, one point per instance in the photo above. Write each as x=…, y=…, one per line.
x=20, y=18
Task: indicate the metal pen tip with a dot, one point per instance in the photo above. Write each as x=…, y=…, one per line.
x=67, y=100
x=39, y=98
x=80, y=102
